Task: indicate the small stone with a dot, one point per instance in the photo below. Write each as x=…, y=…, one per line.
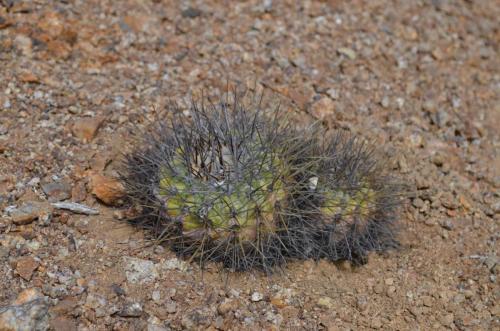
x=362, y=303
x=65, y=306
x=378, y=289
x=429, y=106
x=323, y=108
x=191, y=12
x=79, y=192
x=376, y=323
x=446, y=224
x=75, y=207
x=418, y=203
x=448, y=201
x=278, y=302
x=490, y=262
x=175, y=264
x=391, y=291
x=438, y=160
x=24, y=44
x=29, y=77
x=28, y=312
x=133, y=309
x=256, y=296
x=57, y=191
x=351, y=54
x=325, y=302
x=427, y=301
x=226, y=306
x=447, y=319
x=4, y=23
x=156, y=296
x=385, y=102
x=495, y=207
x=171, y=307
x=63, y=323
x=86, y=128
x=28, y=212
x=333, y=93
x=108, y=190
x=468, y=294
x=139, y=271
x=25, y=267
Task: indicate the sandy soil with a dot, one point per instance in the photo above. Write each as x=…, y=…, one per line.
x=421, y=79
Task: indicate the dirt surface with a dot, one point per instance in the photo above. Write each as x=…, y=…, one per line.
x=421, y=79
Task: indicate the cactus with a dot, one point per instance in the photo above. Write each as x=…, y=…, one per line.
x=352, y=201
x=216, y=185
x=235, y=184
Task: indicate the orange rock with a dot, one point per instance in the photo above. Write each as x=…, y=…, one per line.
x=86, y=128
x=79, y=192
x=108, y=190
x=3, y=146
x=28, y=295
x=138, y=23
x=65, y=306
x=28, y=77
x=59, y=49
x=63, y=323
x=4, y=22
x=278, y=302
x=51, y=23
x=26, y=266
x=323, y=108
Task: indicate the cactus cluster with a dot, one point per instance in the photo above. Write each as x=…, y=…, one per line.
x=236, y=184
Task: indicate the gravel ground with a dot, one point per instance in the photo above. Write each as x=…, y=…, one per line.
x=421, y=79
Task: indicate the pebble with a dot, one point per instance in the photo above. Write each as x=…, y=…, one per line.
x=133, y=309
x=139, y=271
x=86, y=128
x=391, y=291
x=376, y=323
x=448, y=200
x=28, y=212
x=75, y=207
x=418, y=203
x=191, y=12
x=495, y=207
x=333, y=93
x=351, y=54
x=325, y=302
x=429, y=106
x=175, y=264
x=26, y=266
x=171, y=307
x=447, y=319
x=362, y=303
x=226, y=306
x=322, y=108
x=108, y=190
x=427, y=301
x=156, y=296
x=385, y=102
x=28, y=312
x=257, y=296
x=63, y=323
x=65, y=306
x=57, y=191
x=446, y=224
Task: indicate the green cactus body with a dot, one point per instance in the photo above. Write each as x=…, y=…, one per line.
x=350, y=209
x=221, y=207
